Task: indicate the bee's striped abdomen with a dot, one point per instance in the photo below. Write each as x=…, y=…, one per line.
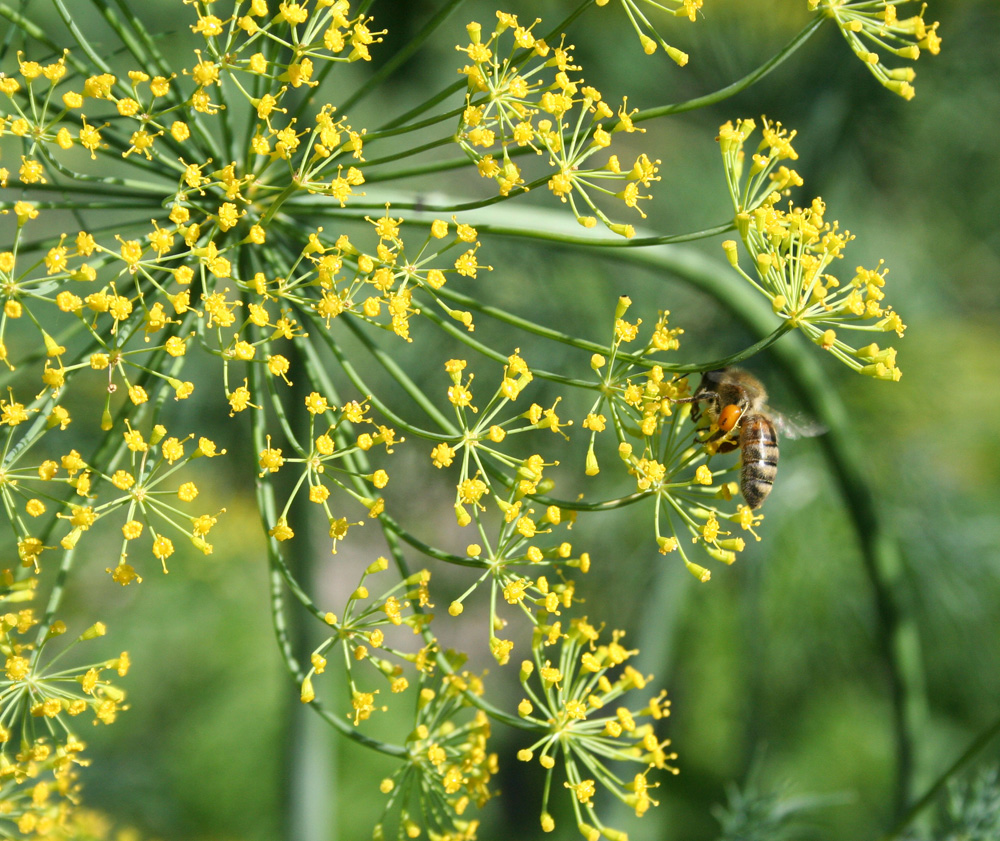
x=759, y=443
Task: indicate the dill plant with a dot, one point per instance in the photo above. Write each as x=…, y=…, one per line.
x=210, y=225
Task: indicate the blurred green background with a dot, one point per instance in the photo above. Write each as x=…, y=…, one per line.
x=773, y=666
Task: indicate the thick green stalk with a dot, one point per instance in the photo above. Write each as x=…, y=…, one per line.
x=509, y=221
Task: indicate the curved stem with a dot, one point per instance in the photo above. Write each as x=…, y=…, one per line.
x=425, y=548
x=407, y=153
x=400, y=122
x=387, y=362
x=740, y=84
x=381, y=134
x=406, y=383
x=594, y=347
x=441, y=659
x=496, y=356
x=280, y=578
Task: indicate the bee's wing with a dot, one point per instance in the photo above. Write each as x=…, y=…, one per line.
x=795, y=425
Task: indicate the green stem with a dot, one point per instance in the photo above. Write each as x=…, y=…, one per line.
x=489, y=353
x=619, y=242
x=593, y=347
x=411, y=388
x=106, y=185
x=739, y=85
x=275, y=204
x=127, y=38
x=977, y=744
x=8, y=37
x=400, y=121
x=307, y=781
x=425, y=548
x=477, y=701
x=33, y=30
x=315, y=366
x=552, y=230
x=406, y=153
x=458, y=208
x=103, y=205
x=157, y=59
x=381, y=134
x=897, y=641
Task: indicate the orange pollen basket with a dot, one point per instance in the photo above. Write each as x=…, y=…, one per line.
x=729, y=417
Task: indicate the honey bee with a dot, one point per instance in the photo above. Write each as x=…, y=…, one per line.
x=736, y=402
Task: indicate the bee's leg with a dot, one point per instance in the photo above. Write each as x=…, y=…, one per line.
x=698, y=398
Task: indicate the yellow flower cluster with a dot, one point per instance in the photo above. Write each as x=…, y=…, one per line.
x=577, y=709
x=38, y=771
x=333, y=278
x=447, y=767
x=82, y=824
x=641, y=24
x=332, y=462
x=487, y=471
x=39, y=787
x=29, y=689
x=137, y=491
x=360, y=633
x=874, y=27
x=793, y=252
x=214, y=237
x=140, y=315
x=511, y=108
x=236, y=162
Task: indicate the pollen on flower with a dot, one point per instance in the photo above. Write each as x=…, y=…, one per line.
x=442, y=455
